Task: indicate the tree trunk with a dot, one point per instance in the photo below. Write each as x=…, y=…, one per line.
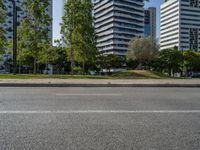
x=46, y=65
x=34, y=66
x=72, y=62
x=169, y=71
x=19, y=69
x=38, y=68
x=149, y=66
x=84, y=68
x=109, y=70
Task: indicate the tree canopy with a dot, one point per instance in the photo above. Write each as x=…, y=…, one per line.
x=78, y=32
x=192, y=60
x=143, y=50
x=2, y=30
x=33, y=33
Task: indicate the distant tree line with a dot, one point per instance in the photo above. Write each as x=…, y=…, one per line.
x=146, y=53
x=35, y=51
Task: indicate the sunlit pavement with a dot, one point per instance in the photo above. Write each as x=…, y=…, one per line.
x=100, y=83
x=99, y=118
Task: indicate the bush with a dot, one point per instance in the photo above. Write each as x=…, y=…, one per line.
x=78, y=71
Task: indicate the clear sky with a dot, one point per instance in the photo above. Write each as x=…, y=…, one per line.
x=57, y=14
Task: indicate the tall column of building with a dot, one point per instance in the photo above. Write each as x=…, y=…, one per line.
x=20, y=15
x=150, y=23
x=169, y=26
x=180, y=24
x=116, y=23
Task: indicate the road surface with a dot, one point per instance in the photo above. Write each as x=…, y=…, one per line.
x=99, y=118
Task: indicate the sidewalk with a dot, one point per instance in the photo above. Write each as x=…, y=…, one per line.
x=99, y=83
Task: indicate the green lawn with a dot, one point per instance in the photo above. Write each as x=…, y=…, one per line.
x=138, y=74
x=42, y=76
x=132, y=74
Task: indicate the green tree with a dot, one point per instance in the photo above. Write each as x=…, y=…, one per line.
x=78, y=32
x=55, y=56
x=191, y=61
x=7, y=58
x=2, y=30
x=142, y=50
x=87, y=48
x=33, y=32
x=110, y=61
x=169, y=60
x=68, y=29
x=132, y=64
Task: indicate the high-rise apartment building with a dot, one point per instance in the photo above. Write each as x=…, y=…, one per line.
x=116, y=23
x=150, y=23
x=180, y=24
x=20, y=15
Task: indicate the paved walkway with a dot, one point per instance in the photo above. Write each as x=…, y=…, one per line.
x=102, y=82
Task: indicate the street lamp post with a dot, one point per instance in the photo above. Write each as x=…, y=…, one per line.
x=14, y=37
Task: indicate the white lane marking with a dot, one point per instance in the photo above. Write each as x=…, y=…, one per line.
x=92, y=94
x=99, y=112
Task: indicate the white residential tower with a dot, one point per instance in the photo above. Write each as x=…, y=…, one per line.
x=180, y=25
x=116, y=23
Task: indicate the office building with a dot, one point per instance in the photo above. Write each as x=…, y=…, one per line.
x=150, y=23
x=116, y=23
x=180, y=25
x=20, y=15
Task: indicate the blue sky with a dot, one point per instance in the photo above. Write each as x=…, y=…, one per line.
x=57, y=14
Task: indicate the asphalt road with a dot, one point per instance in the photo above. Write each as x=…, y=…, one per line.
x=99, y=118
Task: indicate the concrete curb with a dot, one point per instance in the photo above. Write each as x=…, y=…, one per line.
x=96, y=85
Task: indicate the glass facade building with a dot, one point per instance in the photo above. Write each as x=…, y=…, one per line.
x=20, y=15
x=150, y=23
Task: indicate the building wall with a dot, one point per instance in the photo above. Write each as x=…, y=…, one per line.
x=180, y=24
x=169, y=26
x=116, y=23
x=21, y=14
x=150, y=23
x=190, y=25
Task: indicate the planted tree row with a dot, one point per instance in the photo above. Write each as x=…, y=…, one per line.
x=169, y=61
x=76, y=52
